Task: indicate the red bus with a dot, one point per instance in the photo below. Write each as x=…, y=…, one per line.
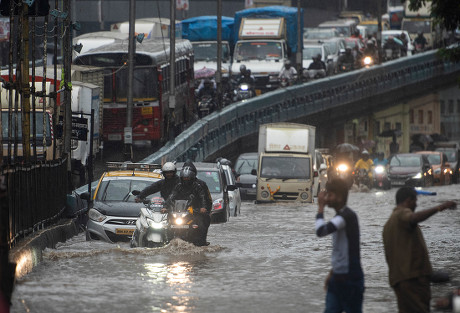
x=154, y=118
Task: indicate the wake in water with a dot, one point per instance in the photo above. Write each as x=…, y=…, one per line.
x=175, y=247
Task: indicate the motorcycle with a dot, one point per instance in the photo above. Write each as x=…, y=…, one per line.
x=362, y=178
x=243, y=91
x=346, y=67
x=152, y=225
x=182, y=223
x=381, y=179
x=205, y=105
x=314, y=74
x=343, y=171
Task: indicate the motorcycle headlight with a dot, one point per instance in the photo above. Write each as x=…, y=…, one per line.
x=417, y=176
x=244, y=87
x=96, y=216
x=342, y=168
x=179, y=221
x=156, y=225
x=379, y=170
x=367, y=60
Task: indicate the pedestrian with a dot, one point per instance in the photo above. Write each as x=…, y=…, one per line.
x=406, y=252
x=345, y=282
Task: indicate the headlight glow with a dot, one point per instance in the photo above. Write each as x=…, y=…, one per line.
x=244, y=87
x=367, y=60
x=179, y=221
x=379, y=169
x=95, y=215
x=342, y=168
x=417, y=176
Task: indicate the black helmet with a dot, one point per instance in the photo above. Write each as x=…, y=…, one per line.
x=242, y=68
x=187, y=175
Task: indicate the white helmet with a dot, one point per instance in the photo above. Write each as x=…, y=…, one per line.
x=168, y=167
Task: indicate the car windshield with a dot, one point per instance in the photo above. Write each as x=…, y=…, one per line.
x=321, y=34
x=120, y=189
x=212, y=179
x=245, y=166
x=310, y=52
x=333, y=46
x=405, y=161
x=258, y=51
x=434, y=159
x=285, y=168
x=450, y=153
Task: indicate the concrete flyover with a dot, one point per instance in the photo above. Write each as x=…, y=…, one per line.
x=331, y=101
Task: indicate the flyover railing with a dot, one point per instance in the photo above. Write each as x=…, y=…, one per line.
x=220, y=129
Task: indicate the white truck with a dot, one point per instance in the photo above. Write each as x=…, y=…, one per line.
x=85, y=97
x=285, y=166
x=264, y=43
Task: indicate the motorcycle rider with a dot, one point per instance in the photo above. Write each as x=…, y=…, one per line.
x=380, y=160
x=317, y=67
x=420, y=42
x=164, y=186
x=288, y=72
x=365, y=163
x=347, y=58
x=247, y=78
x=190, y=188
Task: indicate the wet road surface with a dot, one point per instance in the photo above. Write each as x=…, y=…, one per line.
x=266, y=260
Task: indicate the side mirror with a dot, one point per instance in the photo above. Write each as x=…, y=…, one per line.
x=254, y=172
x=231, y=187
x=85, y=196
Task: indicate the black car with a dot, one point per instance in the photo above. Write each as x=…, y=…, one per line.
x=245, y=168
x=410, y=169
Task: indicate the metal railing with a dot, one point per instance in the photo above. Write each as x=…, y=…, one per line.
x=220, y=129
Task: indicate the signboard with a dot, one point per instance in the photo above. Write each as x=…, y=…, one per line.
x=182, y=5
x=287, y=140
x=261, y=28
x=79, y=128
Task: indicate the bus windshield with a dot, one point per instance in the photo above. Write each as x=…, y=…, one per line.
x=144, y=86
x=207, y=51
x=38, y=126
x=413, y=27
x=285, y=167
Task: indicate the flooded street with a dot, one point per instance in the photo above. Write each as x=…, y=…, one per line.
x=266, y=260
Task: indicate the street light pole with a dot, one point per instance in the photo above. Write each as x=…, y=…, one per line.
x=299, y=43
x=128, y=131
x=172, y=70
x=219, y=54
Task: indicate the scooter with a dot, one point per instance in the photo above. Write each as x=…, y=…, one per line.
x=242, y=92
x=205, y=105
x=182, y=222
x=381, y=179
x=152, y=226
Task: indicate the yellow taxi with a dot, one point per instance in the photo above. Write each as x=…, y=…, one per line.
x=114, y=212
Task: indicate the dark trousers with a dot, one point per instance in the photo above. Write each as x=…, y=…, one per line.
x=203, y=221
x=344, y=295
x=413, y=295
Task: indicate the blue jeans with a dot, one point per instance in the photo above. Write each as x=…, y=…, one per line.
x=344, y=295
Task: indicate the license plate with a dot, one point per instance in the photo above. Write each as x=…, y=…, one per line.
x=154, y=237
x=399, y=183
x=147, y=111
x=114, y=137
x=179, y=226
x=123, y=231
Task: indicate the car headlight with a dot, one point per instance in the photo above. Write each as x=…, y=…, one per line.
x=264, y=194
x=96, y=216
x=417, y=176
x=304, y=196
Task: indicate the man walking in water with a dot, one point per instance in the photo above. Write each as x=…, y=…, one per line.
x=345, y=282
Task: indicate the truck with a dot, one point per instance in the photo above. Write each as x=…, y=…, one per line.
x=201, y=31
x=264, y=44
x=85, y=98
x=286, y=153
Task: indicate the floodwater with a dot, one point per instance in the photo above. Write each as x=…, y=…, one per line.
x=266, y=260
